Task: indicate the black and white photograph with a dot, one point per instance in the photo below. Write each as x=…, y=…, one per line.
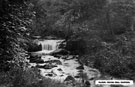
x=67, y=43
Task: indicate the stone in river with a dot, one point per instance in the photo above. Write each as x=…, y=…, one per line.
x=80, y=67
x=69, y=78
x=77, y=76
x=49, y=74
x=46, y=66
x=36, y=61
x=59, y=69
x=87, y=84
x=91, y=78
x=57, y=62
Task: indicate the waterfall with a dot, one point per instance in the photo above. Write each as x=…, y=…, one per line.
x=50, y=45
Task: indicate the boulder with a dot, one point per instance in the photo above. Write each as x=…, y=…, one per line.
x=49, y=74
x=64, y=57
x=69, y=78
x=59, y=69
x=76, y=76
x=87, y=84
x=58, y=56
x=62, y=44
x=36, y=59
x=80, y=67
x=46, y=66
x=57, y=62
x=92, y=78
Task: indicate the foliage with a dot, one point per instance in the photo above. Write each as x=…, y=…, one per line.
x=15, y=25
x=26, y=78
x=59, y=18
x=118, y=59
x=33, y=47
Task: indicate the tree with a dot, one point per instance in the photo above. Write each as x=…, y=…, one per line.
x=15, y=21
x=122, y=16
x=60, y=17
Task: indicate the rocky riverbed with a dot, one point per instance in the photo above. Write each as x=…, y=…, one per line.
x=59, y=65
x=67, y=68
x=64, y=68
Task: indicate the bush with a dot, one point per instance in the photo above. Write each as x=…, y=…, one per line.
x=32, y=47
x=76, y=46
x=117, y=59
x=26, y=78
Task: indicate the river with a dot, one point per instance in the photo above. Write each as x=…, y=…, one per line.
x=62, y=66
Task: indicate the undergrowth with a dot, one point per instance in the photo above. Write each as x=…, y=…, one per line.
x=26, y=78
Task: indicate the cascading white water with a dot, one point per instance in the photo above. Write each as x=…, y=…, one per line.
x=50, y=45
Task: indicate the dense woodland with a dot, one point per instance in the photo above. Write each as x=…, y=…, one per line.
x=101, y=32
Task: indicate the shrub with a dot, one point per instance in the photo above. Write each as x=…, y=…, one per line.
x=76, y=46
x=26, y=78
x=117, y=59
x=32, y=47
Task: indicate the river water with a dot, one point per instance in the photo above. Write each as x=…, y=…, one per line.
x=60, y=67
